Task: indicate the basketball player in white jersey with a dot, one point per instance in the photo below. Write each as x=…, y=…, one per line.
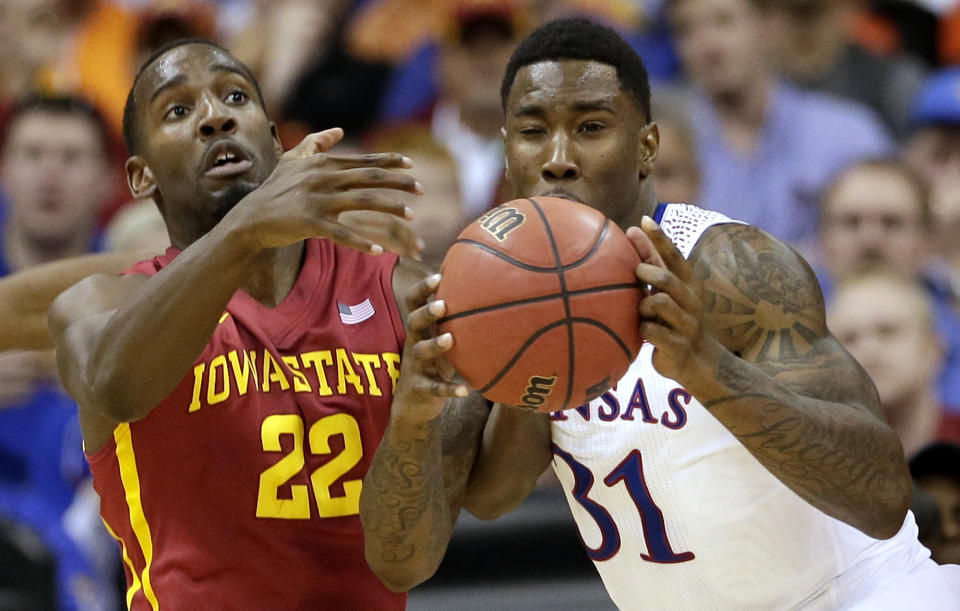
x=741, y=463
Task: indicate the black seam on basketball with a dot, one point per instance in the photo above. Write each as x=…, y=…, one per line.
x=608, y=331
x=541, y=331
x=511, y=304
x=516, y=355
x=593, y=249
x=571, y=356
x=507, y=258
x=537, y=268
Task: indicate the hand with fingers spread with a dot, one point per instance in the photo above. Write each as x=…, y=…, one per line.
x=311, y=186
x=392, y=233
x=671, y=316
x=426, y=378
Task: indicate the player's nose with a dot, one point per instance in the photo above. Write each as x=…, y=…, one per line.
x=216, y=118
x=561, y=164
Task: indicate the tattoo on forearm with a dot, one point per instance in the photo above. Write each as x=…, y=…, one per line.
x=417, y=484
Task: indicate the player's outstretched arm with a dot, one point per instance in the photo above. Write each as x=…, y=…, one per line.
x=742, y=326
x=123, y=344
x=26, y=296
x=414, y=488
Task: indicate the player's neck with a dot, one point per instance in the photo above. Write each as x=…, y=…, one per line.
x=273, y=274
x=646, y=206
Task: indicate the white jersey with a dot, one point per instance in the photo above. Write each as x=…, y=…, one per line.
x=677, y=514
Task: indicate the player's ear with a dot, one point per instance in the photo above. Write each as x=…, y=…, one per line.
x=277, y=145
x=649, y=149
x=506, y=162
x=140, y=178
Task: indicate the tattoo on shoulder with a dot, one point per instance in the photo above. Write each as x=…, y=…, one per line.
x=760, y=297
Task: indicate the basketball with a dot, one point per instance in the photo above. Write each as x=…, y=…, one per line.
x=542, y=301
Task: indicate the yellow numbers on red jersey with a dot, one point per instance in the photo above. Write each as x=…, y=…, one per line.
x=297, y=507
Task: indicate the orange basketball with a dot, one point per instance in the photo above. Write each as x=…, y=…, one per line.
x=542, y=303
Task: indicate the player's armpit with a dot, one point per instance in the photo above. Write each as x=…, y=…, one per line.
x=787, y=389
x=514, y=453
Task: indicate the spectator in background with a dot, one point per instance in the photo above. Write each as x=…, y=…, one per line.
x=886, y=320
x=53, y=160
x=766, y=148
x=876, y=213
x=34, y=35
x=813, y=40
x=676, y=175
x=468, y=115
x=284, y=38
x=137, y=226
x=465, y=116
x=438, y=214
x=934, y=151
x=936, y=470
x=934, y=146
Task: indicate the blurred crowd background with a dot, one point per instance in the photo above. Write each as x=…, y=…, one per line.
x=833, y=124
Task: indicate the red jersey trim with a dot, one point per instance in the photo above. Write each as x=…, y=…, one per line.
x=134, y=577
x=138, y=520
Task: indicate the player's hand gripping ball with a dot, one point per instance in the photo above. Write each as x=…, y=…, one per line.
x=542, y=301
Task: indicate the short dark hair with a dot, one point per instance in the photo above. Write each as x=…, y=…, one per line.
x=577, y=38
x=940, y=458
x=130, y=122
x=60, y=105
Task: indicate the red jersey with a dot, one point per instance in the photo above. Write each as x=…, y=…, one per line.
x=241, y=489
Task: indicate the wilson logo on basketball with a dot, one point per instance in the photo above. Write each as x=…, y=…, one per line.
x=500, y=221
x=538, y=389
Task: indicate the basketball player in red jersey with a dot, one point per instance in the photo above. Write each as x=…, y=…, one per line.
x=232, y=391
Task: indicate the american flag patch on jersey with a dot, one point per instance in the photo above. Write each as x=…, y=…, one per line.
x=352, y=314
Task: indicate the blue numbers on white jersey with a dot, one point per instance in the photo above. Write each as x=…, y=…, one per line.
x=630, y=472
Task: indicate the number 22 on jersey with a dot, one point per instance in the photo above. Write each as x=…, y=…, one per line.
x=630, y=472
x=318, y=439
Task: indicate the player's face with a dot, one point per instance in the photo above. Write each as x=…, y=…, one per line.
x=873, y=218
x=571, y=131
x=55, y=173
x=882, y=328
x=207, y=142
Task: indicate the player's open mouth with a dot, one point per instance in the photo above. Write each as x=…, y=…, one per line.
x=226, y=158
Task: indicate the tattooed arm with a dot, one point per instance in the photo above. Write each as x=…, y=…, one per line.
x=414, y=488
x=741, y=325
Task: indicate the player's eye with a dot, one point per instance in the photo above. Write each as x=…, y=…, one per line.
x=591, y=127
x=531, y=130
x=237, y=97
x=177, y=111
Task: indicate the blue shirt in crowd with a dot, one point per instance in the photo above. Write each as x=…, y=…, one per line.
x=807, y=138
